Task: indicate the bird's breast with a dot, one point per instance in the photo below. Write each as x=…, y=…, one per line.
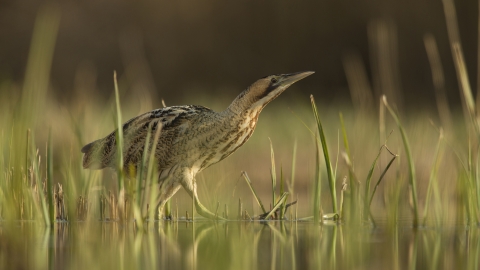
x=230, y=137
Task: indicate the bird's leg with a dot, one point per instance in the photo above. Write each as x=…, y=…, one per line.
x=191, y=188
x=165, y=196
x=203, y=211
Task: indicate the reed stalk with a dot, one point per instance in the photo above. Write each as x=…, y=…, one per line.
x=119, y=136
x=411, y=164
x=273, y=173
x=331, y=177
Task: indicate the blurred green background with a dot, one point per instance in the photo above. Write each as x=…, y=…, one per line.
x=170, y=49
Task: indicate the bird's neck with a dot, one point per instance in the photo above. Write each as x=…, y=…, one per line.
x=238, y=117
x=236, y=125
x=243, y=112
x=241, y=103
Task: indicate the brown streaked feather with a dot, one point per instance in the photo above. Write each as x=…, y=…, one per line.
x=172, y=120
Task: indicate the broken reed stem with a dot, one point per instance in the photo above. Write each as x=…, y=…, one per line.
x=249, y=183
x=411, y=165
x=366, y=206
x=277, y=205
x=380, y=179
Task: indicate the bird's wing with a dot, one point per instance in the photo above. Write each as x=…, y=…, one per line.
x=167, y=119
x=172, y=122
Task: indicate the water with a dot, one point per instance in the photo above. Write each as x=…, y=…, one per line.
x=235, y=245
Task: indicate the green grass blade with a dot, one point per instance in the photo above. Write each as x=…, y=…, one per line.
x=27, y=152
x=477, y=180
x=331, y=178
x=273, y=173
x=137, y=208
x=344, y=135
x=411, y=165
x=151, y=173
x=318, y=184
x=119, y=135
x=338, y=155
x=143, y=165
x=342, y=191
x=294, y=163
x=366, y=206
x=355, y=205
x=466, y=90
x=43, y=207
x=282, y=180
x=470, y=190
x=433, y=183
x=51, y=203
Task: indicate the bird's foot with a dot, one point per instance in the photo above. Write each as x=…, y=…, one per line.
x=204, y=212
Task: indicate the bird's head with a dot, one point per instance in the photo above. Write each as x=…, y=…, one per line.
x=266, y=89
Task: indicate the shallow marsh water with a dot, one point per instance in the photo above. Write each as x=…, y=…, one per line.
x=235, y=245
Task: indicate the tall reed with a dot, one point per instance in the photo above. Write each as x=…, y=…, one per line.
x=330, y=174
x=411, y=164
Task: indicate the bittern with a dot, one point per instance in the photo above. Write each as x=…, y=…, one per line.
x=191, y=138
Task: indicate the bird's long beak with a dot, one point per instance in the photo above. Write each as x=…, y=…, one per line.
x=289, y=79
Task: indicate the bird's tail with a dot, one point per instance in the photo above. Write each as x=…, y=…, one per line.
x=93, y=158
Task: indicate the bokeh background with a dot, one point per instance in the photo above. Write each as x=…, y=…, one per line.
x=170, y=49
x=56, y=92
x=56, y=73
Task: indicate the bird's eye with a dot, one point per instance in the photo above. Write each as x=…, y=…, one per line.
x=274, y=80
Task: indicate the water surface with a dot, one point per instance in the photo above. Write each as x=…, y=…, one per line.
x=235, y=245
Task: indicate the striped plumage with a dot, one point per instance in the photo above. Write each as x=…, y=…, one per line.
x=192, y=138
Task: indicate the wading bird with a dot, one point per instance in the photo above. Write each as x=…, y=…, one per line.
x=191, y=138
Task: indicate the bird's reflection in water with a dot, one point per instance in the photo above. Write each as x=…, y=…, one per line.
x=233, y=245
